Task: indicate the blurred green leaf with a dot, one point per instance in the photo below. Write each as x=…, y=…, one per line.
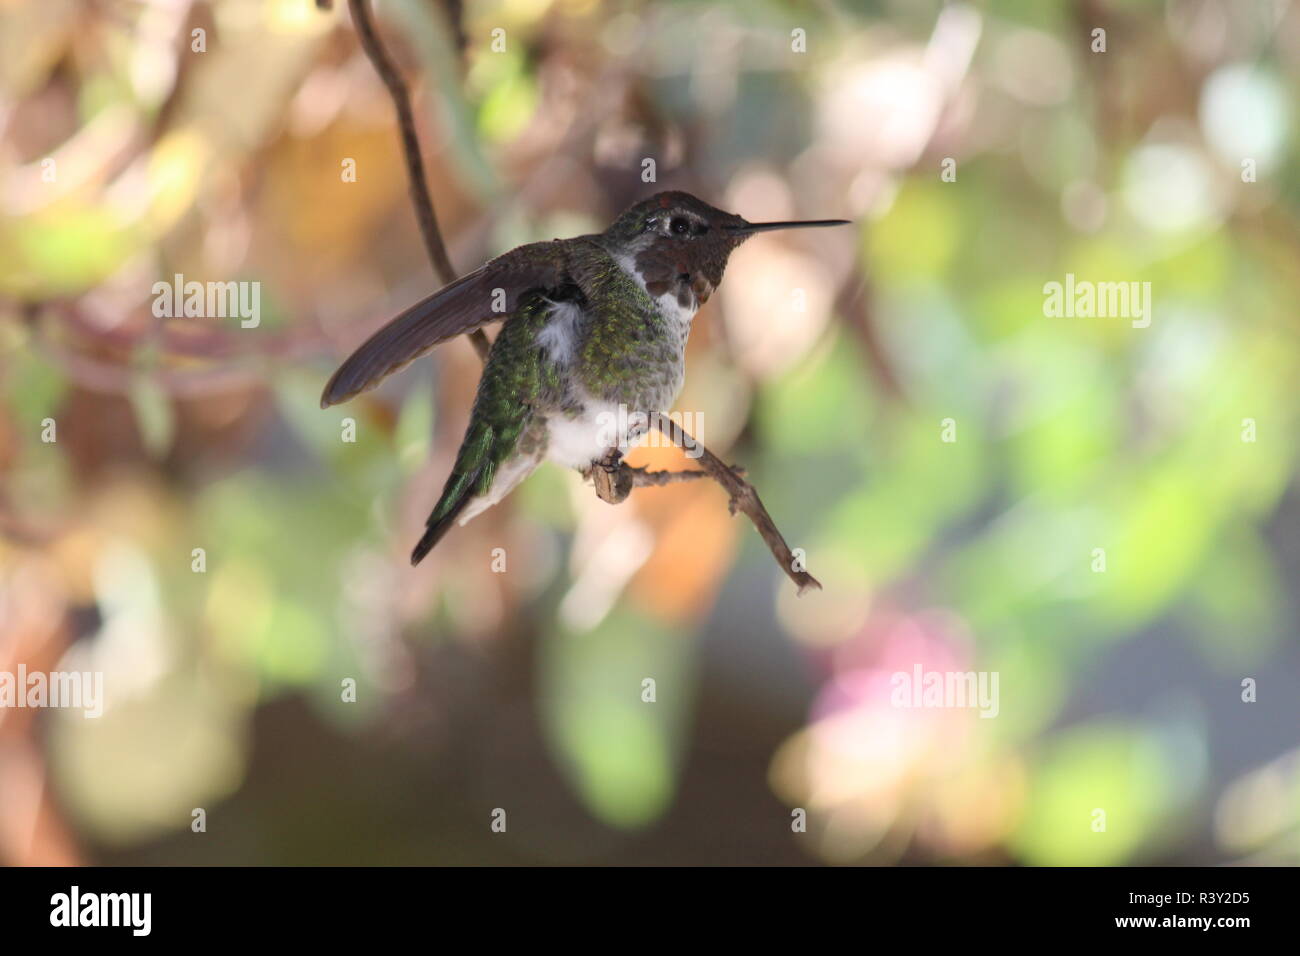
x=619, y=752
x=1095, y=797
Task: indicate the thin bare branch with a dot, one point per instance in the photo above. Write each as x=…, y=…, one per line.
x=615, y=482
x=420, y=197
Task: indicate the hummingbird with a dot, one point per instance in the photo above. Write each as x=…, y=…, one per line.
x=593, y=343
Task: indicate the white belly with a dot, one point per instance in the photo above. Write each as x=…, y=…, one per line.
x=578, y=441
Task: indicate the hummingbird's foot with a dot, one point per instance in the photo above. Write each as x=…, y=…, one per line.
x=612, y=461
x=613, y=479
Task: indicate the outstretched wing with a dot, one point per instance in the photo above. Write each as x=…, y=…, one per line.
x=487, y=294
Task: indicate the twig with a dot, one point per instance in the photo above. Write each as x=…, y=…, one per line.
x=420, y=197
x=614, y=484
x=645, y=478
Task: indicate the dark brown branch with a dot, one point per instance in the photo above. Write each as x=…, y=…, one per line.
x=615, y=483
x=420, y=197
x=645, y=478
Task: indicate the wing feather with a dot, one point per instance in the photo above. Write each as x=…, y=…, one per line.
x=457, y=308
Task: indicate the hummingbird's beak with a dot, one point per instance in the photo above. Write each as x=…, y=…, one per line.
x=749, y=228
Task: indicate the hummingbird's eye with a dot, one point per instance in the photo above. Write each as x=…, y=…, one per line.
x=680, y=226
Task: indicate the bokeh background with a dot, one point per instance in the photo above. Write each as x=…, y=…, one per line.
x=827, y=364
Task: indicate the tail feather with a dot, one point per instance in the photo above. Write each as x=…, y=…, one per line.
x=471, y=475
x=437, y=527
x=502, y=411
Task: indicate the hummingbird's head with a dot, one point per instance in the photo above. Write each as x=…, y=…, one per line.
x=673, y=235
